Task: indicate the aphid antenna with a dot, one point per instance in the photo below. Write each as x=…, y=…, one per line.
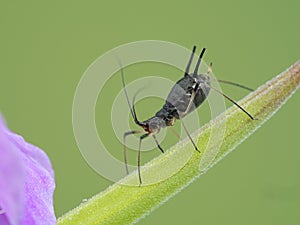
x=133, y=104
x=131, y=107
x=133, y=114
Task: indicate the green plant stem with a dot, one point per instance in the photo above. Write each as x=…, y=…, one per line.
x=122, y=204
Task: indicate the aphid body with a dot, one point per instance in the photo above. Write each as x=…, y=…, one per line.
x=186, y=95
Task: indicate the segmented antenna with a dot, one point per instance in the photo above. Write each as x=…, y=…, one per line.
x=132, y=110
x=133, y=105
x=199, y=61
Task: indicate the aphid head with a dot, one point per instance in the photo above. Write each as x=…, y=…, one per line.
x=153, y=125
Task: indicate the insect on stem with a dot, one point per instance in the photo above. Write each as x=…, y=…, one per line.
x=191, y=90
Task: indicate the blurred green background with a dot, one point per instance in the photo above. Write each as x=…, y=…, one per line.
x=45, y=47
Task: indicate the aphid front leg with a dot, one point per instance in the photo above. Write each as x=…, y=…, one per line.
x=124, y=145
x=156, y=141
x=139, y=156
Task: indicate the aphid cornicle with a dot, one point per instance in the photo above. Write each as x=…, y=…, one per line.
x=186, y=95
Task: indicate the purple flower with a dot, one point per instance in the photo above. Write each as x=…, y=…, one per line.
x=26, y=182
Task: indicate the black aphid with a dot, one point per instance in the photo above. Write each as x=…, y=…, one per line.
x=186, y=95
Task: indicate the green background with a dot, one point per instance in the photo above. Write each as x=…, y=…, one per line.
x=45, y=47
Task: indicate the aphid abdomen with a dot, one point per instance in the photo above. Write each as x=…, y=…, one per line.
x=186, y=95
x=200, y=96
x=180, y=96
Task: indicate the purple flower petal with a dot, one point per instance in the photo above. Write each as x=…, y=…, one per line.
x=26, y=182
x=12, y=178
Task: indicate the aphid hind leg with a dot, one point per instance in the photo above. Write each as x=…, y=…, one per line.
x=187, y=111
x=188, y=134
x=139, y=156
x=156, y=141
x=124, y=146
x=231, y=100
x=227, y=97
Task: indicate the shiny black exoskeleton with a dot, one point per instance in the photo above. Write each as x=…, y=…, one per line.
x=186, y=95
x=190, y=90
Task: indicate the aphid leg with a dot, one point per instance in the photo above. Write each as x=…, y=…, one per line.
x=190, y=62
x=191, y=102
x=231, y=100
x=156, y=141
x=124, y=145
x=227, y=97
x=139, y=156
x=188, y=134
x=187, y=111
